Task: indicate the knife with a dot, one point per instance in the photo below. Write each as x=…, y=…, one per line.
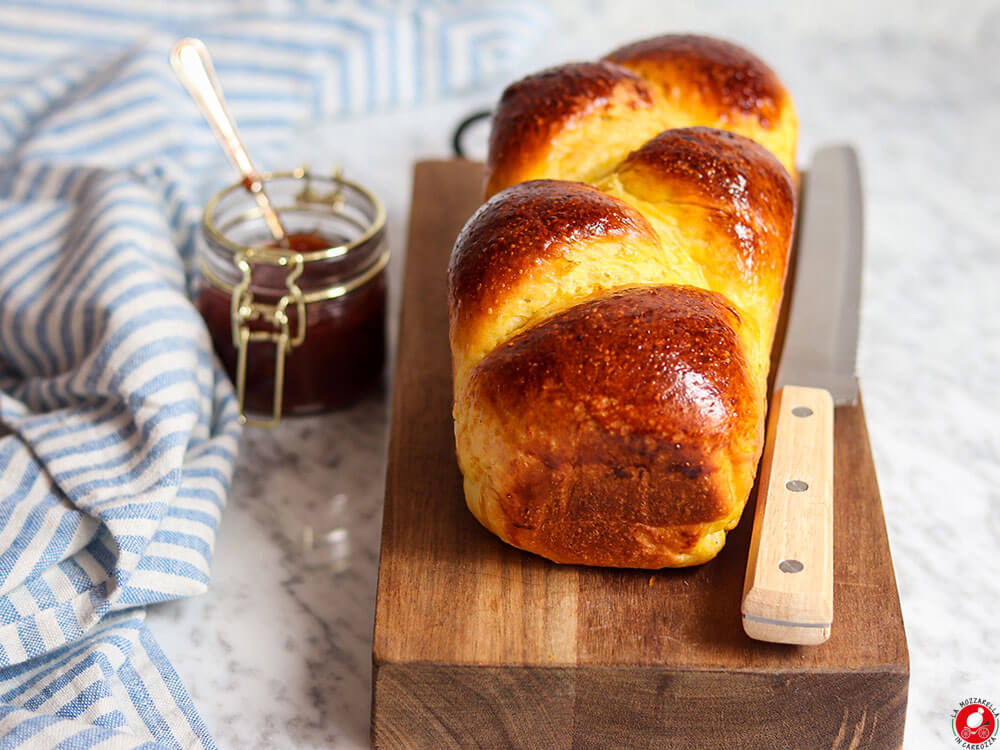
x=788, y=591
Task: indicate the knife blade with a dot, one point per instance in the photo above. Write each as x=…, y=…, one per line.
x=788, y=590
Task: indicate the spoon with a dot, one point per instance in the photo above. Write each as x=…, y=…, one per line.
x=193, y=66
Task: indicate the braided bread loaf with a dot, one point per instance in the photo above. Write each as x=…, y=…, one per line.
x=610, y=341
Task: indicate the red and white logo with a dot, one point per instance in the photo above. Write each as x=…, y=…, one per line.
x=974, y=723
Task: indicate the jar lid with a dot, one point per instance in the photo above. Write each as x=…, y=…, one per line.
x=233, y=226
x=307, y=195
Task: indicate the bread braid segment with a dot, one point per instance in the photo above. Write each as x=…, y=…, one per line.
x=577, y=121
x=541, y=247
x=724, y=200
x=579, y=444
x=698, y=80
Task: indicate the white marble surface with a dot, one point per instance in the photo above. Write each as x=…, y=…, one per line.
x=277, y=654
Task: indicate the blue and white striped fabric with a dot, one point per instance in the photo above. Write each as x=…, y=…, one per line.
x=118, y=430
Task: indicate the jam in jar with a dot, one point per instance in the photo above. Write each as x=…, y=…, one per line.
x=300, y=328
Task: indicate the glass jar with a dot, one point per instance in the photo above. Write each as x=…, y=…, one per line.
x=299, y=329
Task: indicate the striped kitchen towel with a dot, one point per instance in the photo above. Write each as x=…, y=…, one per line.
x=118, y=430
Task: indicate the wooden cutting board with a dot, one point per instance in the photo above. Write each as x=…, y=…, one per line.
x=480, y=645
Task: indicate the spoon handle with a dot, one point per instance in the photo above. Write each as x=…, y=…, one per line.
x=193, y=66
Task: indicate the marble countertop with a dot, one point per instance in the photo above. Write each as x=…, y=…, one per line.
x=278, y=653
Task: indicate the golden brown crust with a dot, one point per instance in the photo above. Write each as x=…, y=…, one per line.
x=725, y=77
x=622, y=413
x=611, y=346
x=749, y=194
x=578, y=121
x=715, y=168
x=533, y=110
x=511, y=234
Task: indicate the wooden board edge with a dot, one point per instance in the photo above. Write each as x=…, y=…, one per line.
x=869, y=459
x=564, y=708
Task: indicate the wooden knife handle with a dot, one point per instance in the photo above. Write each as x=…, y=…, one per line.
x=788, y=592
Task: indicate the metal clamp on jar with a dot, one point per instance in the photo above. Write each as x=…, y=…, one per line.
x=300, y=328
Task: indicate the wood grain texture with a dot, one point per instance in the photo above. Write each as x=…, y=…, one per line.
x=788, y=594
x=478, y=644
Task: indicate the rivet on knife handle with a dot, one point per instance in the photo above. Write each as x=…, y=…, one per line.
x=788, y=593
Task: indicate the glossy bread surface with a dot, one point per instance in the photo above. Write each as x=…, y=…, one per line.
x=725, y=78
x=605, y=452
x=610, y=341
x=542, y=246
x=579, y=120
